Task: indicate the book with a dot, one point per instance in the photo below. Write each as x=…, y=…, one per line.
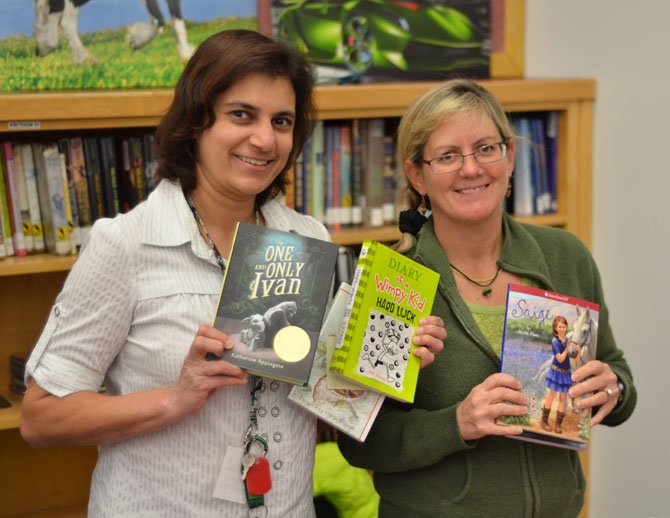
x=30, y=175
x=274, y=295
x=95, y=194
x=52, y=198
x=357, y=197
x=22, y=198
x=346, y=196
x=70, y=192
x=391, y=295
x=318, y=172
x=535, y=354
x=13, y=202
x=350, y=409
x=5, y=224
x=373, y=176
x=109, y=176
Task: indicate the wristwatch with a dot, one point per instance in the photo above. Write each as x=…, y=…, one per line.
x=622, y=390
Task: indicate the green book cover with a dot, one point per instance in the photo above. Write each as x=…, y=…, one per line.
x=391, y=293
x=275, y=291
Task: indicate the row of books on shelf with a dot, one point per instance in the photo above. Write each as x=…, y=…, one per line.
x=535, y=156
x=51, y=191
x=347, y=174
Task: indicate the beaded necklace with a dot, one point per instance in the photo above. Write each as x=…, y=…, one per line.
x=198, y=219
x=485, y=283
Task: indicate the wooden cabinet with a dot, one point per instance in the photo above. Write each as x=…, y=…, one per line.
x=32, y=481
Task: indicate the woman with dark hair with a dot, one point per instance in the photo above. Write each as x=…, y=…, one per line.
x=130, y=316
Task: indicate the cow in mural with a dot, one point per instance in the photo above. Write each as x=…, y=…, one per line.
x=52, y=15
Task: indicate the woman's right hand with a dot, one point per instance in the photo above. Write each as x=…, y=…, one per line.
x=200, y=377
x=498, y=395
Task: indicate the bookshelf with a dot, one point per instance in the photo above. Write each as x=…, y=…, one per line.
x=29, y=285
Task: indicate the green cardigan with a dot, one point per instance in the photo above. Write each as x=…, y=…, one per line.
x=422, y=465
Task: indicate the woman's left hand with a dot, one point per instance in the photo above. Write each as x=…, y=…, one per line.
x=429, y=339
x=598, y=384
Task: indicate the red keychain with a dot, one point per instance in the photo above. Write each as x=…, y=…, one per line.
x=258, y=480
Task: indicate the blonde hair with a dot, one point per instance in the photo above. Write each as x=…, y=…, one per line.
x=431, y=109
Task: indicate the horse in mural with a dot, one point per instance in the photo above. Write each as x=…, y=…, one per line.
x=52, y=15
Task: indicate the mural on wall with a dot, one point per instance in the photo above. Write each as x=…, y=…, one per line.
x=49, y=45
x=371, y=40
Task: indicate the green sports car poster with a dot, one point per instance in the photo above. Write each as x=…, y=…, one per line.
x=373, y=40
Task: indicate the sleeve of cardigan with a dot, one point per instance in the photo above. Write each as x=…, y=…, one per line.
x=405, y=438
x=608, y=352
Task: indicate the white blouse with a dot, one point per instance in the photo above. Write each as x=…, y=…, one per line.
x=125, y=319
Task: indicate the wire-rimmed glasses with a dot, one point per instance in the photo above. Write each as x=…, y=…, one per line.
x=452, y=162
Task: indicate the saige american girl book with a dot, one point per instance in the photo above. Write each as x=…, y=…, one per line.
x=547, y=336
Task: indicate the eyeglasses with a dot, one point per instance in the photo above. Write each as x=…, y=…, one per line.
x=452, y=162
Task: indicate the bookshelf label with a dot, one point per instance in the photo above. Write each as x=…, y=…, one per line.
x=24, y=125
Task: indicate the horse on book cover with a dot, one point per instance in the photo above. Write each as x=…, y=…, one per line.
x=50, y=15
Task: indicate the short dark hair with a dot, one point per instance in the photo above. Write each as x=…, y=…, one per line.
x=218, y=63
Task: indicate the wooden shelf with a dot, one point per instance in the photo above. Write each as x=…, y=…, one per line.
x=139, y=108
x=43, y=263
x=40, y=263
x=9, y=417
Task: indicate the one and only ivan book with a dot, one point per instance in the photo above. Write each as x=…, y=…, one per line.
x=348, y=408
x=547, y=336
x=275, y=290
x=391, y=293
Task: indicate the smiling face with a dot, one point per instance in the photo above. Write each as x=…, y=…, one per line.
x=475, y=192
x=250, y=141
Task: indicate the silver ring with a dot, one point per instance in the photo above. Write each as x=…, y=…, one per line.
x=608, y=391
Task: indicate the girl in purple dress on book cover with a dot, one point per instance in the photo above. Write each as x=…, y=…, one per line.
x=558, y=380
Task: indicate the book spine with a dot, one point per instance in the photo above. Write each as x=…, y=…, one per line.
x=374, y=173
x=318, y=172
x=109, y=176
x=52, y=198
x=149, y=160
x=13, y=202
x=6, y=230
x=33, y=196
x=24, y=205
x=358, y=285
x=69, y=216
x=94, y=177
x=71, y=195
x=137, y=168
x=336, y=210
x=551, y=139
x=389, y=175
x=346, y=174
x=357, y=197
x=522, y=191
x=79, y=177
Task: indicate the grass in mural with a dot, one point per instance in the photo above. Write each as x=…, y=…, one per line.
x=155, y=66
